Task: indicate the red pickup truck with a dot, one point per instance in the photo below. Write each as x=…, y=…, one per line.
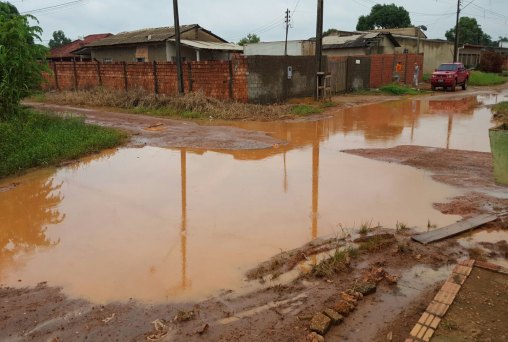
x=450, y=75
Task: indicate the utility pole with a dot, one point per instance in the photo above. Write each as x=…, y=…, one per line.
x=319, y=42
x=287, y=21
x=179, y=69
x=456, y=47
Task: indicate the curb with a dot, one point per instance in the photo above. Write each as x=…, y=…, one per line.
x=430, y=319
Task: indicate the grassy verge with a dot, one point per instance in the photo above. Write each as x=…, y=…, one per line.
x=399, y=89
x=500, y=111
x=478, y=78
x=190, y=106
x=32, y=139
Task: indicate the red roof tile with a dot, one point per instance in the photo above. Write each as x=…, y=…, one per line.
x=66, y=50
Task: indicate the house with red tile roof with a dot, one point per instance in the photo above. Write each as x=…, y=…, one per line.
x=75, y=50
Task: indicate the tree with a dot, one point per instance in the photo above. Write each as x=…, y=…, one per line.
x=331, y=32
x=251, y=38
x=8, y=9
x=59, y=39
x=384, y=17
x=469, y=33
x=21, y=60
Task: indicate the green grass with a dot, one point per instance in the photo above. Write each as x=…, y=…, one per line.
x=30, y=139
x=336, y=263
x=426, y=77
x=479, y=78
x=304, y=109
x=399, y=89
x=500, y=111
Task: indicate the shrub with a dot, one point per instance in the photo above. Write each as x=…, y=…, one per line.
x=491, y=62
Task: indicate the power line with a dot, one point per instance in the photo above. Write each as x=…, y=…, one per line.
x=54, y=7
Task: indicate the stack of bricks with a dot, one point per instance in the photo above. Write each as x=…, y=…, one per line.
x=430, y=319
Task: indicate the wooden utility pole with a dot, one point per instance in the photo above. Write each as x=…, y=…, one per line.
x=288, y=18
x=456, y=46
x=319, y=35
x=179, y=69
x=319, y=43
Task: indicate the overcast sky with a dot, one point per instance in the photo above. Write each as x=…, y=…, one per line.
x=233, y=19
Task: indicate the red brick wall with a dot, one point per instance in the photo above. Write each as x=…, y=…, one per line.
x=210, y=77
x=382, y=68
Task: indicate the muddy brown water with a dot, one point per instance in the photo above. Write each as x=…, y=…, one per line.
x=159, y=225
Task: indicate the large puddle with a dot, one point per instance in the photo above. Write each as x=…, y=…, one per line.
x=157, y=224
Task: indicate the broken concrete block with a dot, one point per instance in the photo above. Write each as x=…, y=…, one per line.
x=320, y=323
x=313, y=337
x=334, y=316
x=343, y=308
x=366, y=288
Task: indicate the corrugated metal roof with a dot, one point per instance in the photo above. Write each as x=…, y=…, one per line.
x=210, y=45
x=355, y=41
x=159, y=34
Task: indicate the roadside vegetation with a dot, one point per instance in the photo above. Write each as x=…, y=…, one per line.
x=500, y=111
x=480, y=78
x=32, y=139
x=399, y=89
x=191, y=106
x=29, y=139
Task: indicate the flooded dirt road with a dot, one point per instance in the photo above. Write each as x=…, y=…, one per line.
x=164, y=225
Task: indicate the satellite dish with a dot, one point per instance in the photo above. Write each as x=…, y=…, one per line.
x=423, y=27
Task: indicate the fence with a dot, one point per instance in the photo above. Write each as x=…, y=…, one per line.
x=219, y=79
x=373, y=71
x=259, y=79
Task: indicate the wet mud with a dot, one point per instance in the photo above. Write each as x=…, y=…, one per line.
x=156, y=243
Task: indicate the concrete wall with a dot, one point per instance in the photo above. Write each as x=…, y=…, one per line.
x=295, y=48
x=268, y=78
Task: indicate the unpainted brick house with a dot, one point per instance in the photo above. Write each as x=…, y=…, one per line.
x=158, y=44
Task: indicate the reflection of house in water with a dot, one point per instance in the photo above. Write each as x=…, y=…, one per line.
x=25, y=213
x=460, y=106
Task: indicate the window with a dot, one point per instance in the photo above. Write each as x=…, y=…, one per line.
x=107, y=60
x=140, y=60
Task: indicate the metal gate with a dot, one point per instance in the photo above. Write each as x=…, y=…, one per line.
x=358, y=73
x=338, y=70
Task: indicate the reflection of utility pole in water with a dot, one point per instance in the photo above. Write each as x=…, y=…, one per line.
x=183, y=232
x=449, y=133
x=315, y=187
x=285, y=174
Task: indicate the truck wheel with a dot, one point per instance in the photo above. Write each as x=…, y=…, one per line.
x=454, y=85
x=464, y=85
x=432, y=87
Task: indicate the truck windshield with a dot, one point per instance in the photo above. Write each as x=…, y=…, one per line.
x=447, y=67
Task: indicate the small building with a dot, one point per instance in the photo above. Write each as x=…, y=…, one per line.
x=414, y=40
x=74, y=50
x=158, y=44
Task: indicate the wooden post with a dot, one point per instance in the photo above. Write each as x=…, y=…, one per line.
x=382, y=70
x=405, y=70
x=75, y=75
x=155, y=81
x=99, y=73
x=230, y=65
x=56, y=76
x=189, y=68
x=125, y=75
